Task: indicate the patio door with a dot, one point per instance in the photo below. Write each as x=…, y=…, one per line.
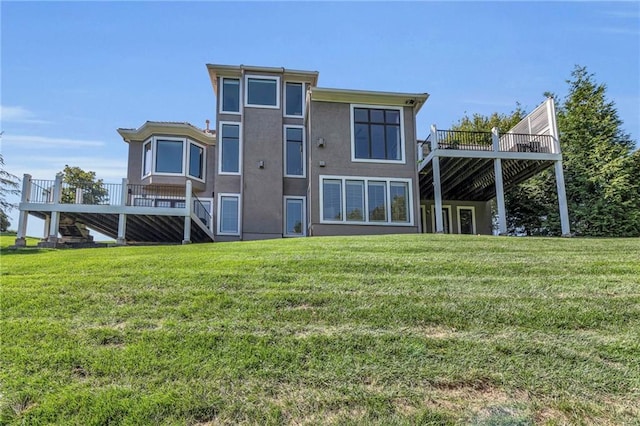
x=446, y=219
x=466, y=220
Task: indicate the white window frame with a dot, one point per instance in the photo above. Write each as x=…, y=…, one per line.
x=284, y=110
x=186, y=142
x=221, y=110
x=433, y=217
x=304, y=151
x=402, y=160
x=219, y=213
x=304, y=215
x=366, y=221
x=473, y=218
x=151, y=159
x=234, y=123
x=261, y=77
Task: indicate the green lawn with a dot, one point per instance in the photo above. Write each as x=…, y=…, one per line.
x=420, y=329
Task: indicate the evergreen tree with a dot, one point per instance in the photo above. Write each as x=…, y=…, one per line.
x=8, y=186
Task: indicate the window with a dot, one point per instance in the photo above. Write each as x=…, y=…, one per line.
x=169, y=156
x=377, y=134
x=399, y=194
x=294, y=216
x=377, y=201
x=366, y=201
x=294, y=152
x=230, y=95
x=466, y=220
x=354, y=191
x=229, y=149
x=332, y=200
x=228, y=214
x=262, y=92
x=294, y=100
x=196, y=161
x=147, y=159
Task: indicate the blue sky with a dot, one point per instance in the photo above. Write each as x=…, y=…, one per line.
x=73, y=72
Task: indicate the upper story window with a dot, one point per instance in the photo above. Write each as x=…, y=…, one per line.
x=229, y=155
x=293, y=96
x=262, y=91
x=377, y=134
x=294, y=151
x=230, y=95
x=173, y=156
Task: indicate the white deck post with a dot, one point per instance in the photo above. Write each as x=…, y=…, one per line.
x=562, y=200
x=497, y=169
x=23, y=216
x=47, y=224
x=437, y=195
x=187, y=219
x=495, y=138
x=124, y=196
x=122, y=229
x=55, y=215
x=434, y=137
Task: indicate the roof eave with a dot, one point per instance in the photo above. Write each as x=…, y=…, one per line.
x=414, y=100
x=151, y=128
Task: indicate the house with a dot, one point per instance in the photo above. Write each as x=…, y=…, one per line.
x=290, y=159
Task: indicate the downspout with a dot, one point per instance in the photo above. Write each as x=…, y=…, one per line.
x=242, y=171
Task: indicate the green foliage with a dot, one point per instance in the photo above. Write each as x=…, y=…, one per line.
x=8, y=186
x=394, y=329
x=481, y=123
x=76, y=179
x=4, y=221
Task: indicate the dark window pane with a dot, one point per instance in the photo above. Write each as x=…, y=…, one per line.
x=294, y=134
x=196, y=159
x=392, y=117
x=377, y=116
x=262, y=91
x=362, y=140
x=466, y=221
x=229, y=215
x=399, y=199
x=393, y=142
x=361, y=115
x=230, y=95
x=230, y=161
x=355, y=200
x=332, y=200
x=377, y=142
x=169, y=156
x=294, y=158
x=294, y=99
x=230, y=131
x=377, y=202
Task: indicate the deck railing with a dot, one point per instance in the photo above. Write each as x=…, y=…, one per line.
x=457, y=139
x=521, y=142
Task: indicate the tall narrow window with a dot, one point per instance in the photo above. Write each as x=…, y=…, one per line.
x=146, y=167
x=293, y=99
x=294, y=165
x=466, y=220
x=355, y=200
x=228, y=220
x=196, y=161
x=169, y=156
x=377, y=202
x=230, y=149
x=294, y=217
x=399, y=194
x=332, y=199
x=230, y=95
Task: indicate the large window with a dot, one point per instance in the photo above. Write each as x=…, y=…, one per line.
x=294, y=151
x=366, y=201
x=262, y=92
x=377, y=134
x=230, y=95
x=229, y=214
x=294, y=99
x=229, y=162
x=169, y=156
x=294, y=216
x=173, y=156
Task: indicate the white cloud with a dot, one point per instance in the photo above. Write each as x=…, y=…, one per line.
x=45, y=167
x=18, y=114
x=45, y=142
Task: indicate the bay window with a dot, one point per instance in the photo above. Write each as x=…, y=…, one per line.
x=173, y=156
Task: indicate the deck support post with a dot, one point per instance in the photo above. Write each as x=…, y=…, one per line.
x=122, y=229
x=55, y=215
x=437, y=192
x=187, y=218
x=562, y=199
x=502, y=211
x=23, y=216
x=47, y=224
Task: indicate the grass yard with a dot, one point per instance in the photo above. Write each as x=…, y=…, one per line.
x=419, y=329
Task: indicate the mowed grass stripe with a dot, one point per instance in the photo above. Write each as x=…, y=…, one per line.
x=385, y=330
